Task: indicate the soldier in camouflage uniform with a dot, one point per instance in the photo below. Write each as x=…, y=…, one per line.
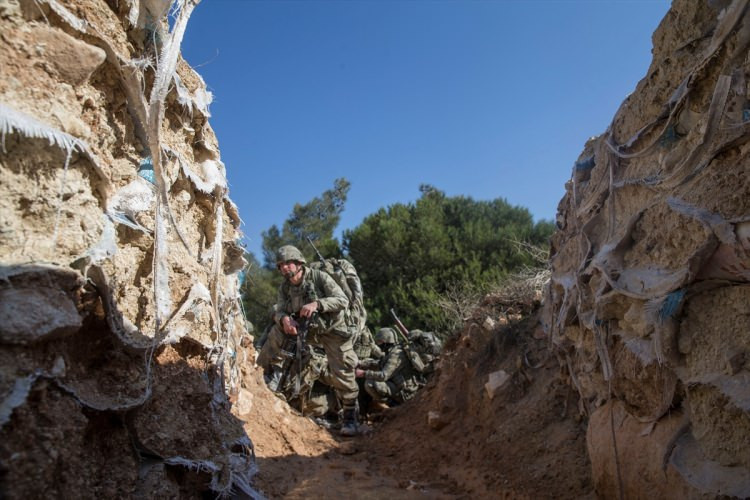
x=392, y=379
x=365, y=346
x=312, y=294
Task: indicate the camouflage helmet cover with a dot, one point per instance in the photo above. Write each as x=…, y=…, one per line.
x=385, y=336
x=289, y=252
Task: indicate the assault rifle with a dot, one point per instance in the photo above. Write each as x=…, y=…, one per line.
x=413, y=355
x=293, y=350
x=317, y=252
x=400, y=328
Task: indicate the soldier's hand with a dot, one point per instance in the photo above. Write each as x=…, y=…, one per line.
x=359, y=372
x=290, y=326
x=308, y=309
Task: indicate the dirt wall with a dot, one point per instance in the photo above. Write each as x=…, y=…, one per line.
x=120, y=324
x=650, y=293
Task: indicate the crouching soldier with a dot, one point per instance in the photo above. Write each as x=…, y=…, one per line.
x=311, y=295
x=392, y=379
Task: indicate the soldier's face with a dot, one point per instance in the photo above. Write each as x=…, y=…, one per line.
x=289, y=269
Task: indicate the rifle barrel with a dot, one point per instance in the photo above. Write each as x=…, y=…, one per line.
x=400, y=326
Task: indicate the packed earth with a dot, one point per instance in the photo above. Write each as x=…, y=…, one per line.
x=460, y=437
x=127, y=371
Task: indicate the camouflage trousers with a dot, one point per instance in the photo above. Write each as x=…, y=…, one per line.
x=384, y=392
x=341, y=360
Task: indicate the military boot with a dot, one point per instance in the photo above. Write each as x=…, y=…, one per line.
x=274, y=379
x=350, y=424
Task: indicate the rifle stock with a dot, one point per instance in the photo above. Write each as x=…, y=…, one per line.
x=292, y=351
x=400, y=327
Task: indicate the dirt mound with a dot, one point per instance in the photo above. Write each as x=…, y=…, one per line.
x=497, y=421
x=651, y=267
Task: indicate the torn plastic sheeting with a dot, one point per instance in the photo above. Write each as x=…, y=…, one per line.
x=179, y=326
x=213, y=173
x=232, y=212
x=682, y=172
x=12, y=120
x=234, y=257
x=161, y=268
x=707, y=476
x=640, y=283
x=643, y=349
x=123, y=406
x=603, y=351
x=74, y=21
x=123, y=219
x=106, y=247
x=242, y=483
x=195, y=465
x=207, y=466
x=140, y=10
x=243, y=468
x=218, y=254
x=17, y=397
x=128, y=334
x=715, y=222
x=165, y=71
x=671, y=304
x=735, y=387
x=199, y=101
x=22, y=387
x=146, y=170
x=727, y=21
x=133, y=198
x=585, y=164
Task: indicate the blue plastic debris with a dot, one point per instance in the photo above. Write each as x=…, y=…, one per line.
x=586, y=163
x=146, y=170
x=670, y=304
x=670, y=135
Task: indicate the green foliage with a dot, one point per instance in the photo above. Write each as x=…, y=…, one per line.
x=317, y=219
x=410, y=256
x=259, y=293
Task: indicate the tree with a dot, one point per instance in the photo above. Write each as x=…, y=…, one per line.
x=317, y=219
x=408, y=256
x=259, y=293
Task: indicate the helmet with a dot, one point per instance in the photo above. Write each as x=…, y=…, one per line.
x=385, y=336
x=289, y=252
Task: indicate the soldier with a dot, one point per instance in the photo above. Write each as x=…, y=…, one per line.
x=314, y=296
x=365, y=346
x=395, y=380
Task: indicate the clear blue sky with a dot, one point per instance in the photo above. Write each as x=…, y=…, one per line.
x=487, y=99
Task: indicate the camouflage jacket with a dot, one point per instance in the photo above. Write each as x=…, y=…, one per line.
x=365, y=346
x=315, y=286
x=394, y=367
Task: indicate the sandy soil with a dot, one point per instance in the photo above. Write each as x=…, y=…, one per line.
x=451, y=441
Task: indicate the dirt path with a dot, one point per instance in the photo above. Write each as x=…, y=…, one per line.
x=526, y=441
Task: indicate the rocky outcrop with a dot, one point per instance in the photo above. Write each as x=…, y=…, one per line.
x=649, y=300
x=120, y=324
